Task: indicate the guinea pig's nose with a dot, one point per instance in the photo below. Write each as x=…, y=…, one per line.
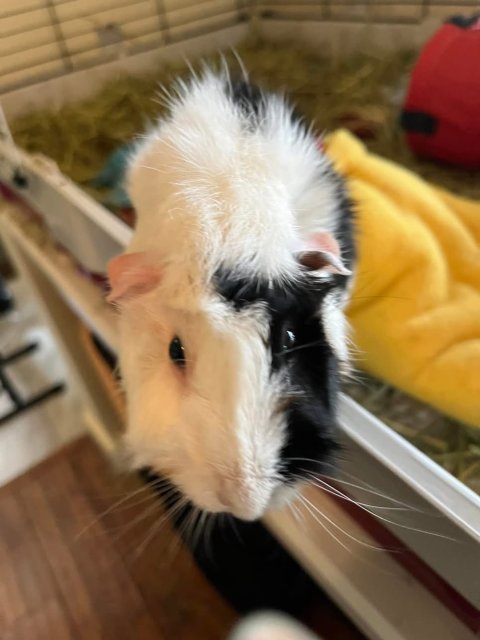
x=239, y=499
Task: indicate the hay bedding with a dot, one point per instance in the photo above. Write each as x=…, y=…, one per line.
x=362, y=93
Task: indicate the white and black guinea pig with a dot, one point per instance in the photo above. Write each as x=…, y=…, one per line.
x=230, y=297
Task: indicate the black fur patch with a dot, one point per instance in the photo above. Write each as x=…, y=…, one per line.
x=345, y=231
x=251, y=100
x=313, y=369
x=310, y=365
x=248, y=97
x=244, y=290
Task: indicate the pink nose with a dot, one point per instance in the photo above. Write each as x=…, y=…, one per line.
x=232, y=495
x=233, y=498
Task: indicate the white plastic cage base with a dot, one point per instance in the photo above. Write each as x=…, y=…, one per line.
x=378, y=595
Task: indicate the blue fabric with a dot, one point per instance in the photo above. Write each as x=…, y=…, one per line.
x=112, y=176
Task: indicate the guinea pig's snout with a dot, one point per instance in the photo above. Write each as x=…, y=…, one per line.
x=245, y=496
x=242, y=499
x=231, y=496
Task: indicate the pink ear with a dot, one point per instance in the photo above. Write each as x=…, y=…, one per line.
x=322, y=251
x=130, y=275
x=323, y=241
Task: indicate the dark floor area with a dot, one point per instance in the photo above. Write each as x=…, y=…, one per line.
x=59, y=581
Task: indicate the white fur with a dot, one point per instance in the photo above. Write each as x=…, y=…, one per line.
x=213, y=432
x=224, y=194
x=336, y=327
x=208, y=192
x=270, y=625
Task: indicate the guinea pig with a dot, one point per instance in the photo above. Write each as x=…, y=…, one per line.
x=230, y=298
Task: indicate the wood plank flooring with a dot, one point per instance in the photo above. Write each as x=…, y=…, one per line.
x=74, y=564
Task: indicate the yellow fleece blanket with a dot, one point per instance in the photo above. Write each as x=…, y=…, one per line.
x=415, y=308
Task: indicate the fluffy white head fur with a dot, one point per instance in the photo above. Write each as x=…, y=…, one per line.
x=209, y=190
x=226, y=194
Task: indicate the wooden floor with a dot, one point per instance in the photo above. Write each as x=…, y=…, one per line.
x=59, y=581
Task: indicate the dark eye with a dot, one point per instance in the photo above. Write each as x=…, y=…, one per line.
x=177, y=352
x=288, y=340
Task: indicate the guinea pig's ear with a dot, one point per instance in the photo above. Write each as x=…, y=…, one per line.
x=130, y=275
x=321, y=252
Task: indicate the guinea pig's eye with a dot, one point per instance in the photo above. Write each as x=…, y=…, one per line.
x=177, y=352
x=288, y=339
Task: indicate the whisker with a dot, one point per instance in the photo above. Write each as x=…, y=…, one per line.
x=328, y=488
x=296, y=512
x=301, y=346
x=182, y=527
x=364, y=486
x=174, y=546
x=208, y=534
x=196, y=528
x=323, y=525
x=202, y=528
x=151, y=496
x=367, y=488
x=187, y=529
x=372, y=491
x=110, y=509
x=156, y=169
x=392, y=522
x=350, y=551
x=380, y=298
x=154, y=529
x=130, y=525
x=121, y=527
x=233, y=524
x=339, y=528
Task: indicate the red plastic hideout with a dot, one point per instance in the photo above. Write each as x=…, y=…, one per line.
x=441, y=111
